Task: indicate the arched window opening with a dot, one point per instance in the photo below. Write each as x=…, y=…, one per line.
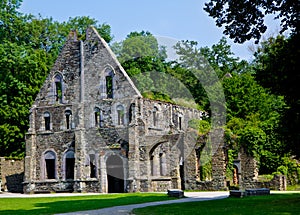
x=155, y=116
x=120, y=115
x=47, y=121
x=50, y=160
x=69, y=165
x=58, y=88
x=68, y=114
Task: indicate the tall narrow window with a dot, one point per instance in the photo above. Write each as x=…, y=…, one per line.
x=47, y=121
x=98, y=116
x=58, y=88
x=50, y=159
x=68, y=114
x=163, y=164
x=69, y=165
x=109, y=86
x=155, y=116
x=92, y=166
x=152, y=165
x=131, y=113
x=120, y=115
x=180, y=123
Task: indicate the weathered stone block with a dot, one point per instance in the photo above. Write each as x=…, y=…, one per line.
x=175, y=193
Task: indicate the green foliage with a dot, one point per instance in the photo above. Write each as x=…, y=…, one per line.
x=244, y=20
x=254, y=116
x=29, y=46
x=276, y=64
x=23, y=70
x=139, y=45
x=291, y=168
x=283, y=170
x=202, y=126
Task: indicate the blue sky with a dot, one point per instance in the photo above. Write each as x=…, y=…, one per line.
x=172, y=19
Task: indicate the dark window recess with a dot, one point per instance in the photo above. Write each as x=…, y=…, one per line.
x=47, y=121
x=50, y=168
x=70, y=164
x=58, y=88
x=68, y=114
x=109, y=87
x=97, y=118
x=92, y=166
x=50, y=165
x=131, y=112
x=180, y=123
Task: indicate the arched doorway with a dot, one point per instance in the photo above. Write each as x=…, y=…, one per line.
x=115, y=174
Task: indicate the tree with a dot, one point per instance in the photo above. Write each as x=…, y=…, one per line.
x=23, y=70
x=277, y=68
x=244, y=19
x=138, y=45
x=28, y=47
x=253, y=120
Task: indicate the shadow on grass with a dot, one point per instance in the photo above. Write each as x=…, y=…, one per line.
x=56, y=205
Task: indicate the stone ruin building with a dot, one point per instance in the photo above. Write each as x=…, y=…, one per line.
x=92, y=131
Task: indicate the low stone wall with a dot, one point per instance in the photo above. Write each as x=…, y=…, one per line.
x=279, y=182
x=11, y=175
x=161, y=185
x=49, y=186
x=200, y=185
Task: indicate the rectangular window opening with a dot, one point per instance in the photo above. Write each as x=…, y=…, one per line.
x=70, y=164
x=50, y=168
x=47, y=123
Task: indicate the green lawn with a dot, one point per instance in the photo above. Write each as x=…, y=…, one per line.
x=274, y=204
x=52, y=205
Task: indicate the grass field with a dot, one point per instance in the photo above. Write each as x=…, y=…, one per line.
x=274, y=204
x=52, y=205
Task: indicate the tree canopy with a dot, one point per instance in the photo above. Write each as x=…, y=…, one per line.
x=29, y=46
x=244, y=19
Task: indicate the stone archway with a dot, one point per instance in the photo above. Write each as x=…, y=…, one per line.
x=115, y=174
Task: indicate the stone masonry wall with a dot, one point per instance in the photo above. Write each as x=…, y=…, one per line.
x=249, y=171
x=11, y=174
